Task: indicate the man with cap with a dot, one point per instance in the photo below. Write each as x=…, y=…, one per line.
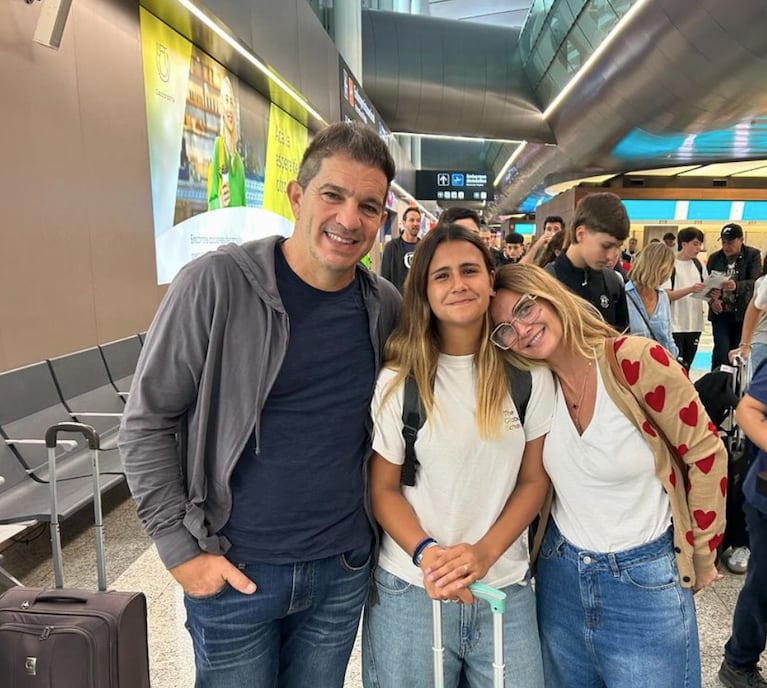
x=741, y=265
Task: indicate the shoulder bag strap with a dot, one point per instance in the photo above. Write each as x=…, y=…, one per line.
x=641, y=315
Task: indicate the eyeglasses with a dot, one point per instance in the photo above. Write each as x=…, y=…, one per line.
x=505, y=336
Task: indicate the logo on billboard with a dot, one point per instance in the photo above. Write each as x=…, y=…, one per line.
x=457, y=179
x=163, y=62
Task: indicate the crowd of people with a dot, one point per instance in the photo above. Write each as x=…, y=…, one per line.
x=263, y=443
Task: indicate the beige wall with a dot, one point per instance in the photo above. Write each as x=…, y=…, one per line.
x=76, y=238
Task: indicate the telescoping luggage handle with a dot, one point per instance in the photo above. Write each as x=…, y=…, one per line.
x=497, y=601
x=93, y=444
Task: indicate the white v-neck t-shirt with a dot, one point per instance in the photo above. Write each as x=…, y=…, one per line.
x=607, y=496
x=463, y=481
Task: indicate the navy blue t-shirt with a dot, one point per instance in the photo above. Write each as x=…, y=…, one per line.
x=301, y=497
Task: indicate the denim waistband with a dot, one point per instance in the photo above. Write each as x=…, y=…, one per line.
x=608, y=560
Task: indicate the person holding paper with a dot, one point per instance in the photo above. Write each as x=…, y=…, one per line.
x=684, y=288
x=742, y=265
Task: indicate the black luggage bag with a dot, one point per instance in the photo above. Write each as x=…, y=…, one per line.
x=71, y=638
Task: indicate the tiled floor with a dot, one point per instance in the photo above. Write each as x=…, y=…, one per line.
x=132, y=564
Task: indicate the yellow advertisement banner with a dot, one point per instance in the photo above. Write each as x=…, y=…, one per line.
x=286, y=143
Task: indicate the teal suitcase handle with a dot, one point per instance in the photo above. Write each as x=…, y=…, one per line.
x=495, y=598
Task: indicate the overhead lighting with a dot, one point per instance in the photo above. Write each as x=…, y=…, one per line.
x=512, y=159
x=624, y=21
x=406, y=195
x=250, y=57
x=448, y=137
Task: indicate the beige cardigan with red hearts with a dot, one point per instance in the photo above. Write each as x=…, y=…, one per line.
x=662, y=398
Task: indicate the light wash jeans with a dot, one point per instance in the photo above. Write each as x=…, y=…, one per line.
x=758, y=354
x=397, y=639
x=296, y=630
x=615, y=620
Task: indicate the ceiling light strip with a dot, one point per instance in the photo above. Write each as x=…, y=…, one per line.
x=450, y=137
x=404, y=193
x=250, y=57
x=512, y=159
x=624, y=21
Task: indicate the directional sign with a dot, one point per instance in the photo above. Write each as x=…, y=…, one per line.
x=453, y=186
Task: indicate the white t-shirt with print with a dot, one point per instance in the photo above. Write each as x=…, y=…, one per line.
x=607, y=496
x=463, y=482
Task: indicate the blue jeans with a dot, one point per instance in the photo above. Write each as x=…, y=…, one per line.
x=296, y=630
x=726, y=331
x=749, y=623
x=758, y=354
x=397, y=639
x=615, y=620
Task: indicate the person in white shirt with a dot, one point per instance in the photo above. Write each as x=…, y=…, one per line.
x=479, y=482
x=687, y=280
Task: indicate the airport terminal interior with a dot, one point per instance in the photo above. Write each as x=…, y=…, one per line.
x=114, y=126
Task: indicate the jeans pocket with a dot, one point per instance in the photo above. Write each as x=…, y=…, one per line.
x=210, y=596
x=357, y=559
x=655, y=574
x=390, y=584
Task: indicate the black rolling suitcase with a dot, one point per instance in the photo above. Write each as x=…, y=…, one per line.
x=70, y=638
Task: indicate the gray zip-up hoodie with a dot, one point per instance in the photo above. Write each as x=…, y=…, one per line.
x=209, y=361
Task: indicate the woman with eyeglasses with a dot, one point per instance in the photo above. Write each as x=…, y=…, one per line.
x=479, y=482
x=637, y=509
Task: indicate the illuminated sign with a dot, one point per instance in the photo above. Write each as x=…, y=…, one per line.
x=448, y=185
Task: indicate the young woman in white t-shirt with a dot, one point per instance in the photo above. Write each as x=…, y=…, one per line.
x=479, y=482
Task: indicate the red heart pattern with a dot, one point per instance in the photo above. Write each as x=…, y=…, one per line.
x=706, y=464
x=689, y=414
x=690, y=537
x=619, y=343
x=723, y=486
x=713, y=429
x=714, y=542
x=657, y=398
x=649, y=429
x=659, y=354
x=704, y=518
x=672, y=478
x=681, y=450
x=630, y=371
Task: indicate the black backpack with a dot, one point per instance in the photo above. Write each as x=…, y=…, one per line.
x=414, y=414
x=698, y=265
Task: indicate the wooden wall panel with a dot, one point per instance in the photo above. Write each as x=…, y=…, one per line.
x=76, y=238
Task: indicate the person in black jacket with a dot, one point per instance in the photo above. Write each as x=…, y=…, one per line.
x=742, y=265
x=397, y=254
x=599, y=227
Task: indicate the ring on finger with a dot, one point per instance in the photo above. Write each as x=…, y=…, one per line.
x=465, y=569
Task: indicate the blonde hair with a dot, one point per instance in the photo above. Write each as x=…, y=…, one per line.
x=652, y=266
x=583, y=328
x=414, y=346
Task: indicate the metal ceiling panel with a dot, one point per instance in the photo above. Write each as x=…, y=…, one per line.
x=430, y=75
x=686, y=83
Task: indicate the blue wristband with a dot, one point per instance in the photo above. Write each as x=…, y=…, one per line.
x=421, y=547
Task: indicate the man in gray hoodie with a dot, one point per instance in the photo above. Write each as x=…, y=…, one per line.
x=247, y=427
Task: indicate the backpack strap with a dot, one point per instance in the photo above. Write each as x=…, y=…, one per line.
x=520, y=387
x=413, y=417
x=699, y=265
